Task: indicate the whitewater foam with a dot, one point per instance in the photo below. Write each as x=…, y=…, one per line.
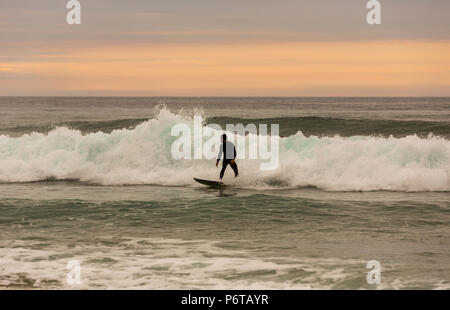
x=142, y=155
x=156, y=263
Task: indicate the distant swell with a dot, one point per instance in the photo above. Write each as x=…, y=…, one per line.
x=323, y=126
x=320, y=126
x=141, y=155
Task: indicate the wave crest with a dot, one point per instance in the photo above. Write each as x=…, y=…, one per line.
x=142, y=155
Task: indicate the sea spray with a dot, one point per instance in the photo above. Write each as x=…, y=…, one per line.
x=142, y=155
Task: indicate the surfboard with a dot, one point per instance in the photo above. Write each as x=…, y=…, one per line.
x=213, y=184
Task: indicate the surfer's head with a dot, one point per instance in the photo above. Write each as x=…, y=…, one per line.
x=224, y=137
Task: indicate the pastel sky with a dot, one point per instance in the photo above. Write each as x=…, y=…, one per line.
x=225, y=48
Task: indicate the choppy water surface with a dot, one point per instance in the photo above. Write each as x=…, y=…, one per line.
x=91, y=179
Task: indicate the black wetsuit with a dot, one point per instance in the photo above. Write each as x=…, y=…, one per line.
x=227, y=159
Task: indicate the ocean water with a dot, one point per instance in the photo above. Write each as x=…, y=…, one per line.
x=93, y=180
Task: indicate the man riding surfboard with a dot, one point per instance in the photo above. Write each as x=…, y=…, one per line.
x=229, y=154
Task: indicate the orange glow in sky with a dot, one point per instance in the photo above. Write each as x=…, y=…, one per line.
x=313, y=68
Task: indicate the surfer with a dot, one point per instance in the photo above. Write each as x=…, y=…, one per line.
x=229, y=154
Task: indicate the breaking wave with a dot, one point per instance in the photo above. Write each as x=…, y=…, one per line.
x=142, y=155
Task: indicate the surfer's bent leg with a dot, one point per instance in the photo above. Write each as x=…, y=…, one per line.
x=235, y=169
x=224, y=166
